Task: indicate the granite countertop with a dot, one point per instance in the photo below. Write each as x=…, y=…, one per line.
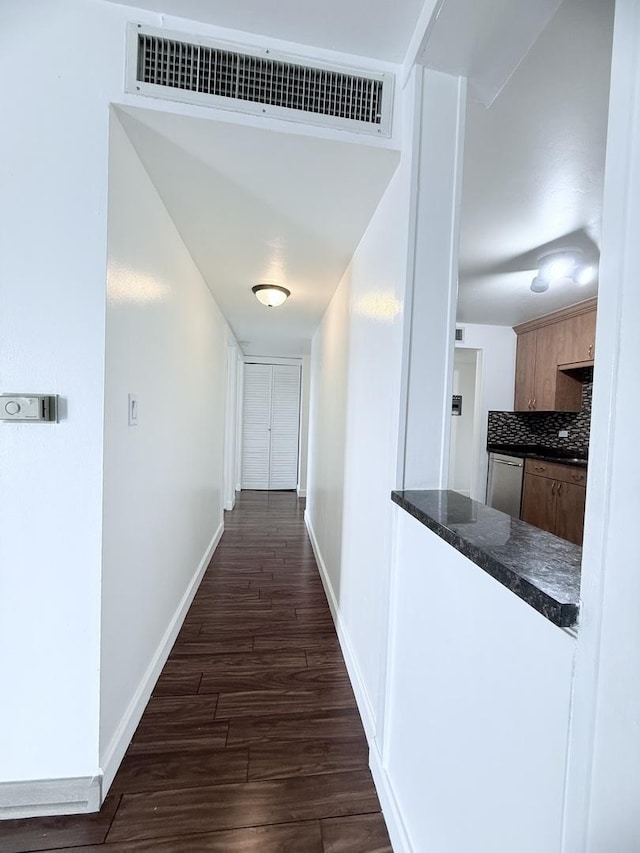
x=545, y=454
x=537, y=566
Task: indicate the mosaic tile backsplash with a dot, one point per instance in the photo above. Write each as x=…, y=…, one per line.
x=542, y=427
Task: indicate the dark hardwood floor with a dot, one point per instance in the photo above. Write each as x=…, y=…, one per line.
x=252, y=740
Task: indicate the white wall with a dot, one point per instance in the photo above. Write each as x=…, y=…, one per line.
x=497, y=368
x=232, y=427
x=166, y=341
x=604, y=783
x=303, y=449
x=327, y=423
x=479, y=699
x=355, y=372
x=54, y=155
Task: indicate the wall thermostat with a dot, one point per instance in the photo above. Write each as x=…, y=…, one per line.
x=28, y=407
x=456, y=404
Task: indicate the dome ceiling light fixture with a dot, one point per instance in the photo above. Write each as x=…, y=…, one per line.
x=562, y=265
x=271, y=295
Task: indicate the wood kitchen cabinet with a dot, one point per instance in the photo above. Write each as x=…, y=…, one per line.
x=525, y=370
x=540, y=386
x=565, y=338
x=578, y=345
x=554, y=498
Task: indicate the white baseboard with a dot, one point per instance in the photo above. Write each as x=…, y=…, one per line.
x=118, y=746
x=392, y=815
x=302, y=493
x=229, y=505
x=362, y=699
x=45, y=797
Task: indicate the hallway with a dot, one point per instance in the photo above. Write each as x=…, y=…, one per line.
x=252, y=740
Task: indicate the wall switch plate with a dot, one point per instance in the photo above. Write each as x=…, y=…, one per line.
x=563, y=433
x=28, y=407
x=133, y=410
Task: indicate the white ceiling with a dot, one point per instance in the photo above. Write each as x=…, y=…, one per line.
x=256, y=206
x=534, y=169
x=484, y=40
x=380, y=29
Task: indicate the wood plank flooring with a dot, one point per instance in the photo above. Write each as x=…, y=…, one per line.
x=251, y=742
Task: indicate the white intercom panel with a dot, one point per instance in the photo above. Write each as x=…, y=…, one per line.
x=28, y=407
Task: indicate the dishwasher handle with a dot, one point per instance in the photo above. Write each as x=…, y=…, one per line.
x=503, y=462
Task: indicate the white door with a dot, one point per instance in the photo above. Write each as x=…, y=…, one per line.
x=270, y=426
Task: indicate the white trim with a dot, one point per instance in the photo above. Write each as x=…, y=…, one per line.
x=120, y=741
x=45, y=797
x=390, y=808
x=426, y=22
x=230, y=426
x=302, y=493
x=362, y=699
x=271, y=359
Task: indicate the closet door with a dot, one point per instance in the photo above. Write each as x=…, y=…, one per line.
x=270, y=426
x=285, y=411
x=256, y=421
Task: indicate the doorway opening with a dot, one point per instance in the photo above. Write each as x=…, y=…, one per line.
x=465, y=422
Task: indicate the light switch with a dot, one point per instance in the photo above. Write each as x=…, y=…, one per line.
x=133, y=410
x=28, y=407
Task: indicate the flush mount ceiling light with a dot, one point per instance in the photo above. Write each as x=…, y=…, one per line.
x=271, y=295
x=562, y=265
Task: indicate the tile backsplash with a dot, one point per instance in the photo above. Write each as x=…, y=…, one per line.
x=542, y=427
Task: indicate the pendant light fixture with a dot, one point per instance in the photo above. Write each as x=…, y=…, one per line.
x=271, y=295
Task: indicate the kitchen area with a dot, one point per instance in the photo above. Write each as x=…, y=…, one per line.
x=528, y=266
x=538, y=453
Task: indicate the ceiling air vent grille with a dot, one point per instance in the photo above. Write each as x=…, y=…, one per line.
x=215, y=75
x=459, y=334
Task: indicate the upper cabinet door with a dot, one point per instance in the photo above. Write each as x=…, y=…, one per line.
x=578, y=339
x=544, y=392
x=548, y=349
x=525, y=372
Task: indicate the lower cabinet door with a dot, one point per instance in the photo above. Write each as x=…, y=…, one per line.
x=570, y=500
x=539, y=502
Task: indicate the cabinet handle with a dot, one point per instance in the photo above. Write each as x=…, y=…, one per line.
x=590, y=350
x=559, y=488
x=553, y=487
x=528, y=404
x=578, y=476
x=534, y=403
x=539, y=468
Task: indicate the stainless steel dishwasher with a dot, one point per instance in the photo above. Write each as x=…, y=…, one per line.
x=504, y=483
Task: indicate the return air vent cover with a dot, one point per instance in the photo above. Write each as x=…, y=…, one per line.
x=459, y=334
x=167, y=65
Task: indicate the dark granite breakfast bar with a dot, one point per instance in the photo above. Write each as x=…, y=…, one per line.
x=538, y=567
